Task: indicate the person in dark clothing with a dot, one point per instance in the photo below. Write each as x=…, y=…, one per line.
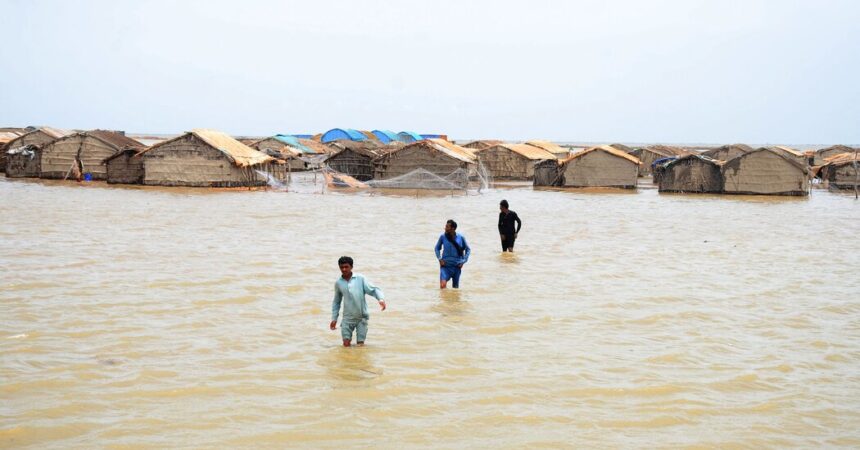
x=507, y=232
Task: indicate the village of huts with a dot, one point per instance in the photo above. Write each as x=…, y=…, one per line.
x=210, y=158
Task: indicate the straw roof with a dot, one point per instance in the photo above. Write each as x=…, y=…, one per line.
x=316, y=146
x=667, y=150
x=6, y=136
x=526, y=150
x=840, y=148
x=369, y=149
x=482, y=144
x=621, y=147
x=238, y=153
x=551, y=147
x=462, y=153
x=114, y=139
x=604, y=148
x=788, y=150
x=842, y=158
x=687, y=156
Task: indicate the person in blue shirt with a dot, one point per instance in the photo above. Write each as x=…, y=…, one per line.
x=455, y=252
x=349, y=291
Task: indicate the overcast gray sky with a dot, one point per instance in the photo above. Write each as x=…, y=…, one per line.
x=766, y=71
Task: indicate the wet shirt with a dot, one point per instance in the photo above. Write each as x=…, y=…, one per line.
x=506, y=223
x=449, y=251
x=351, y=294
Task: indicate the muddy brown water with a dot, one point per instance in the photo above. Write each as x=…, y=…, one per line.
x=137, y=317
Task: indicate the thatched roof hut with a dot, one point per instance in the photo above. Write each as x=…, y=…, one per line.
x=727, y=152
x=691, y=174
x=841, y=171
x=207, y=158
x=647, y=155
x=83, y=153
x=355, y=159
x=287, y=148
x=557, y=150
x=437, y=156
x=602, y=166
x=26, y=150
x=512, y=161
x=765, y=171
x=482, y=144
x=821, y=155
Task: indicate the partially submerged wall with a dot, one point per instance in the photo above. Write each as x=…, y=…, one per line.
x=600, y=169
x=764, y=172
x=188, y=161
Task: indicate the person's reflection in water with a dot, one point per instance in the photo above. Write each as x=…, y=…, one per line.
x=451, y=304
x=351, y=364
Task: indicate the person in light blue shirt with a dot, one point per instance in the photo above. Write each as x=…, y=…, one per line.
x=349, y=291
x=455, y=252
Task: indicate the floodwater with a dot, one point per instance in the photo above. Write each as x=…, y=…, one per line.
x=137, y=317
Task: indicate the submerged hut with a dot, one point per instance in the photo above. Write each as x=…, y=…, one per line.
x=355, y=159
x=27, y=150
x=602, y=166
x=765, y=171
x=125, y=167
x=727, y=152
x=842, y=171
x=547, y=173
x=82, y=154
x=482, y=144
x=820, y=157
x=557, y=150
x=691, y=174
x=208, y=158
x=512, y=161
x=5, y=138
x=647, y=155
x=436, y=156
x=287, y=148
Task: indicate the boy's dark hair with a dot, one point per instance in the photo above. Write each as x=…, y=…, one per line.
x=344, y=260
x=504, y=204
x=452, y=223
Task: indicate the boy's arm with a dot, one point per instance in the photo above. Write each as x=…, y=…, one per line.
x=519, y=223
x=468, y=250
x=335, y=306
x=438, y=248
x=374, y=291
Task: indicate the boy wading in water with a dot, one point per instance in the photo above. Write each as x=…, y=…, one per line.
x=507, y=232
x=350, y=290
x=455, y=253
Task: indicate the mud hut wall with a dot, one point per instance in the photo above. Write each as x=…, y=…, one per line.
x=546, y=173
x=351, y=163
x=503, y=163
x=93, y=153
x=691, y=175
x=191, y=162
x=59, y=157
x=419, y=157
x=22, y=165
x=763, y=173
x=600, y=169
x=125, y=169
x=843, y=176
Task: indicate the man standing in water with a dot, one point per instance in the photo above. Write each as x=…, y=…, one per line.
x=455, y=253
x=507, y=218
x=350, y=290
